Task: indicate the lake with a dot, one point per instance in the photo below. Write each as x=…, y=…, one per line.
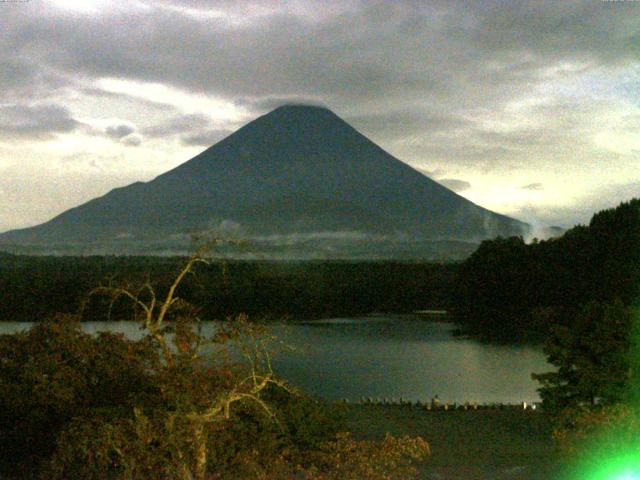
x=389, y=356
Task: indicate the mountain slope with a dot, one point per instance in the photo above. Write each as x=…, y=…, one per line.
x=298, y=169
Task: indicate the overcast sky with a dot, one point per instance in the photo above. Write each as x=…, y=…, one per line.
x=531, y=109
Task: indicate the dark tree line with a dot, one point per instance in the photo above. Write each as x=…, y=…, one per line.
x=513, y=290
x=34, y=287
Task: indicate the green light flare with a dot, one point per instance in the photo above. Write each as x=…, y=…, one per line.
x=628, y=476
x=623, y=467
x=614, y=453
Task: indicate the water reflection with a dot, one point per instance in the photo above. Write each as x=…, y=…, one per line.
x=387, y=356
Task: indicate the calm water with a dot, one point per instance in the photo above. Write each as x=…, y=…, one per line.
x=390, y=356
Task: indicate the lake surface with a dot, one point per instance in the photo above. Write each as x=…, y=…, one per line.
x=389, y=357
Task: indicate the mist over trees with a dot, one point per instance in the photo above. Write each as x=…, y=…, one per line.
x=512, y=290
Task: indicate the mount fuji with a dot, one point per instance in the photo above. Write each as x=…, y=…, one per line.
x=297, y=182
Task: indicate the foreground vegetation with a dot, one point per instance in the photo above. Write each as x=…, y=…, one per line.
x=472, y=444
x=174, y=405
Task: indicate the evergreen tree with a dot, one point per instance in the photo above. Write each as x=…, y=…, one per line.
x=593, y=360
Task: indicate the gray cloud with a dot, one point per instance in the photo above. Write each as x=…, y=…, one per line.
x=605, y=197
x=119, y=131
x=15, y=74
x=592, y=31
x=35, y=121
x=21, y=79
x=270, y=103
x=204, y=138
x=431, y=173
x=455, y=184
x=132, y=140
x=533, y=186
x=178, y=124
x=404, y=49
x=133, y=102
x=409, y=122
x=192, y=129
x=442, y=58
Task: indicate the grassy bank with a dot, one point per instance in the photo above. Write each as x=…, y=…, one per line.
x=466, y=445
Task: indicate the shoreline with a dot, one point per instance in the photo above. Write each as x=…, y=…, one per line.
x=440, y=406
x=473, y=444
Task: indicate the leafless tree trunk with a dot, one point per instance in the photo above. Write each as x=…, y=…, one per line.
x=154, y=314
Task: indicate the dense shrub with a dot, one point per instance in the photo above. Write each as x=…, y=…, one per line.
x=55, y=373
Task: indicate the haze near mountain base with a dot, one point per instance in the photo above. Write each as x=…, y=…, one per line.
x=298, y=182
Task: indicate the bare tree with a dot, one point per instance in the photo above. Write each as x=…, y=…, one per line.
x=171, y=314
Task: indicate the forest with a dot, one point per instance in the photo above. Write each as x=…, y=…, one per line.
x=37, y=286
x=510, y=290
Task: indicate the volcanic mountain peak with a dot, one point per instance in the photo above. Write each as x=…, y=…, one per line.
x=302, y=108
x=299, y=169
x=299, y=124
x=297, y=112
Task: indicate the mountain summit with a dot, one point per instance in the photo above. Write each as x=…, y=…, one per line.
x=297, y=174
